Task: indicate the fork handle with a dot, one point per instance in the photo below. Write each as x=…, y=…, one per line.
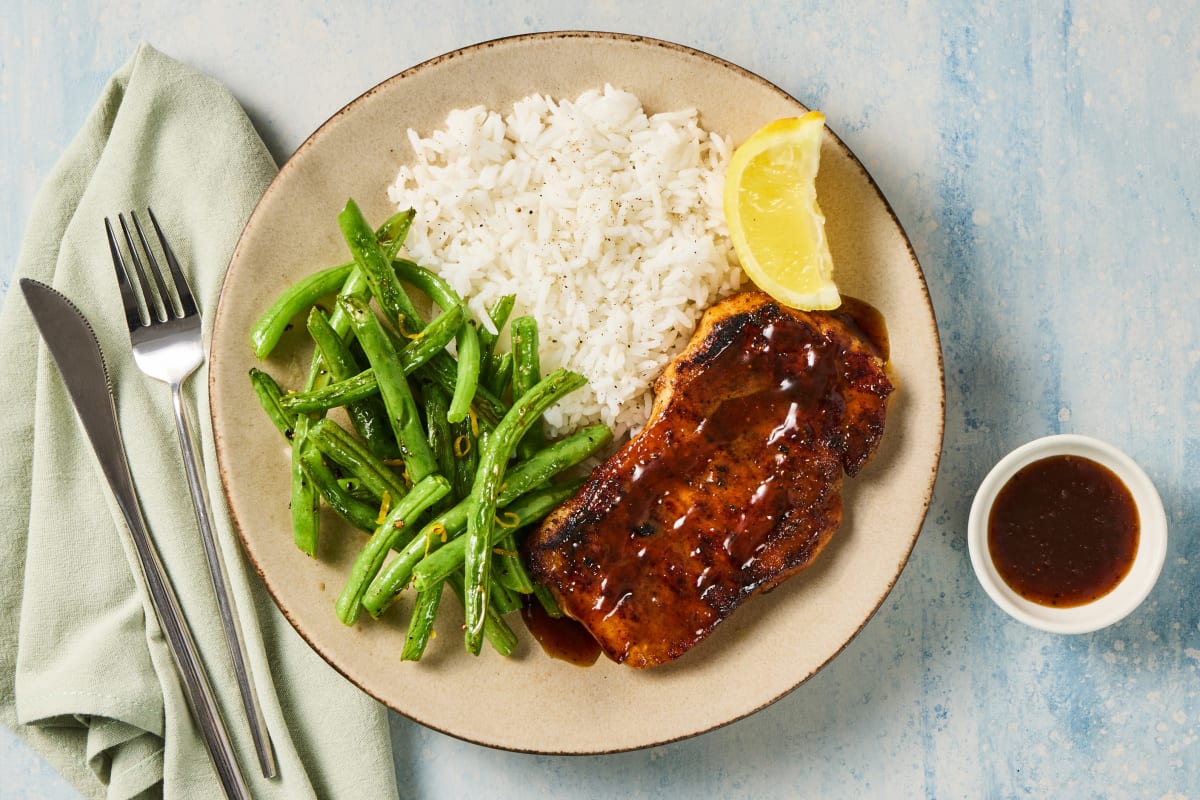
x=197, y=688
x=221, y=587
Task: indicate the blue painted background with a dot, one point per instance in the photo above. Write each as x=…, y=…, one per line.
x=1045, y=160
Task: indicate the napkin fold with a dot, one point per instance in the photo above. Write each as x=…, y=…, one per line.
x=85, y=674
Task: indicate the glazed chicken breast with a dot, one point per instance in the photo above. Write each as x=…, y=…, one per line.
x=733, y=485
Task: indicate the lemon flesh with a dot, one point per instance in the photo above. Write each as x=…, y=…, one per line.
x=775, y=223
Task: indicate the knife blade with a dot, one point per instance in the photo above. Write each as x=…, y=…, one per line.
x=76, y=351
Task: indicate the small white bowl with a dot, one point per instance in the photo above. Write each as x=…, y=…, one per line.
x=1133, y=588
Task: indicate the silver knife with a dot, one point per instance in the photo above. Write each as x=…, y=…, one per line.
x=76, y=351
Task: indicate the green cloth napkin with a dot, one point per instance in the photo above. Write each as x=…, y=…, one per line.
x=85, y=675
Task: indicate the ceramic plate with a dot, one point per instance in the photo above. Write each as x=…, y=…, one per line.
x=530, y=702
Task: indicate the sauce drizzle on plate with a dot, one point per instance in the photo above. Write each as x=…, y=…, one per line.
x=562, y=638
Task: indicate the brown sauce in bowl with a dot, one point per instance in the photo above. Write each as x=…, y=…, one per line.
x=1063, y=531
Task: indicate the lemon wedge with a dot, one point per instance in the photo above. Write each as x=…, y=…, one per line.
x=777, y=228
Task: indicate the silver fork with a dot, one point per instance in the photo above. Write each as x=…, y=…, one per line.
x=167, y=346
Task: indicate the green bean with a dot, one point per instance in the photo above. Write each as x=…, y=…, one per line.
x=394, y=528
x=339, y=446
x=464, y=404
x=271, y=325
x=467, y=368
x=340, y=362
x=498, y=314
x=449, y=557
x=441, y=439
x=492, y=626
x=304, y=497
x=354, y=488
x=305, y=502
x=271, y=397
x=420, y=625
x=376, y=267
x=466, y=457
x=356, y=286
x=427, y=281
x=488, y=408
x=355, y=511
x=392, y=233
x=364, y=407
x=356, y=282
x=507, y=568
x=495, y=451
x=512, y=573
x=357, y=388
x=362, y=386
x=503, y=599
x=466, y=384
x=527, y=371
x=393, y=386
x=546, y=598
x=501, y=376
x=295, y=300
x=501, y=310
x=518, y=481
x=431, y=342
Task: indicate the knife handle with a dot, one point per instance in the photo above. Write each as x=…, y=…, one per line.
x=76, y=351
x=195, y=681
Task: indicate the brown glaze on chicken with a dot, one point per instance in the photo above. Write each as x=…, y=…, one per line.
x=733, y=485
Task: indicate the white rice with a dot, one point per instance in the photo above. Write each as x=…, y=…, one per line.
x=605, y=222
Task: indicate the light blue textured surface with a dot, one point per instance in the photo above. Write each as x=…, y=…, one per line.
x=1046, y=164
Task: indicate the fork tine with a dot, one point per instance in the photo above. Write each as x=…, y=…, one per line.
x=186, y=299
x=168, y=305
x=133, y=314
x=154, y=309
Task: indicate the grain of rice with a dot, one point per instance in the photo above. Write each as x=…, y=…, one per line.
x=605, y=221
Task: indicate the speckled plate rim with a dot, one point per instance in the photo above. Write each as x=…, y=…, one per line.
x=314, y=140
